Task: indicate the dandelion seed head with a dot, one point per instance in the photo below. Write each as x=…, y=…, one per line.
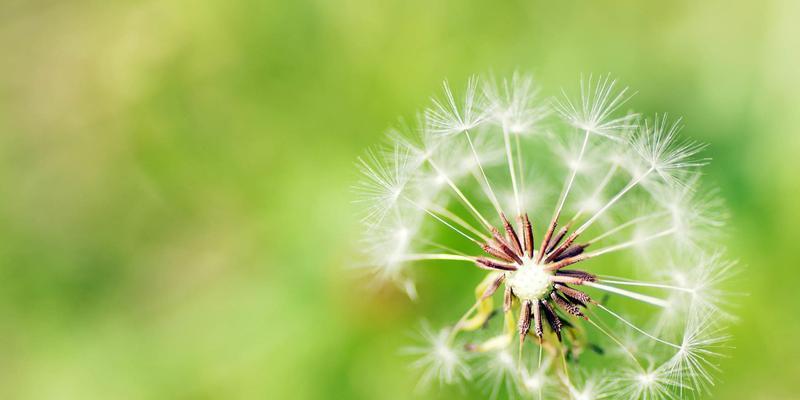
x=530, y=282
x=533, y=211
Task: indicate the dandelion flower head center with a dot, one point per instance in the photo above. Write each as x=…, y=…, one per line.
x=530, y=282
x=617, y=183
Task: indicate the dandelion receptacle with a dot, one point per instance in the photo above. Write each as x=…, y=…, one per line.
x=534, y=191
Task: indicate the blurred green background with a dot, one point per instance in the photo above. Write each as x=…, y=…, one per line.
x=175, y=215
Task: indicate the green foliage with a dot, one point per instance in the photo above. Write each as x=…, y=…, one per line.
x=175, y=216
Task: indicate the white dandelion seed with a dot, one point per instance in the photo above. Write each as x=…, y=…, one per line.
x=416, y=138
x=591, y=388
x=696, y=215
x=513, y=104
x=449, y=116
x=664, y=152
x=594, y=112
x=703, y=275
x=437, y=358
x=649, y=384
x=385, y=177
x=535, y=381
x=500, y=372
x=468, y=167
x=693, y=364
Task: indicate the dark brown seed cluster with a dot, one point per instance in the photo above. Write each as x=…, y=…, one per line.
x=508, y=253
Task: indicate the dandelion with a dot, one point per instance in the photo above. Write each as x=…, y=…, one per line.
x=439, y=360
x=549, y=320
x=535, y=381
x=650, y=384
x=448, y=117
x=589, y=388
x=594, y=112
x=500, y=371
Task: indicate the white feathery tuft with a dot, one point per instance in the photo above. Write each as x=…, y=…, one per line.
x=594, y=112
x=647, y=384
x=385, y=177
x=449, y=116
x=438, y=359
x=513, y=104
x=695, y=362
x=664, y=152
x=476, y=182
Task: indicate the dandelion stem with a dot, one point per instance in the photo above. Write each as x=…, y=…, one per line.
x=637, y=328
x=510, y=159
x=597, y=191
x=490, y=192
x=633, y=295
x=572, y=175
x=563, y=198
x=585, y=256
x=626, y=225
x=564, y=361
x=519, y=356
x=647, y=284
x=613, y=200
x=440, y=246
x=519, y=167
x=617, y=341
x=460, y=221
x=436, y=217
x=457, y=327
x=635, y=181
x=539, y=367
x=460, y=195
x=437, y=256
x=630, y=243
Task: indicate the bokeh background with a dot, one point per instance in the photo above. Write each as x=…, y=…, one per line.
x=175, y=215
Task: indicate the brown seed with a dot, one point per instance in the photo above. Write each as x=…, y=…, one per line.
x=528, y=235
x=566, y=306
x=578, y=274
x=565, y=262
x=496, y=253
x=493, y=287
x=537, y=320
x=557, y=252
x=575, y=294
x=524, y=320
x=546, y=240
x=557, y=238
x=503, y=245
x=485, y=263
x=507, y=299
x=511, y=235
x=552, y=318
x=572, y=251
